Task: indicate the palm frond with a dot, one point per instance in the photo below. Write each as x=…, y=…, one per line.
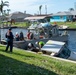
x=5, y=5
x=6, y=2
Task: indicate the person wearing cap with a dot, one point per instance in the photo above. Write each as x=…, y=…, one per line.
x=17, y=36
x=9, y=36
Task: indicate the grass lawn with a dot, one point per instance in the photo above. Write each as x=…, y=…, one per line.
x=22, y=24
x=21, y=62
x=69, y=24
x=26, y=24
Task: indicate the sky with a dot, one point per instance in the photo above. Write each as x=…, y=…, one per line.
x=32, y=6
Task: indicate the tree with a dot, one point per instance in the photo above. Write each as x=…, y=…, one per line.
x=8, y=11
x=2, y=5
x=40, y=7
x=71, y=9
x=1, y=10
x=4, y=12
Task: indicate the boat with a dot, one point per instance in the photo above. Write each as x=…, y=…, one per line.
x=42, y=30
x=58, y=49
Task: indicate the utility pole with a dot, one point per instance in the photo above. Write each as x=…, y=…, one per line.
x=46, y=9
x=40, y=7
x=75, y=5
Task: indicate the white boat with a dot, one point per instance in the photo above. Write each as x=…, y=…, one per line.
x=58, y=49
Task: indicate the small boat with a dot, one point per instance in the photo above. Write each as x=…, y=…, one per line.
x=58, y=49
x=42, y=30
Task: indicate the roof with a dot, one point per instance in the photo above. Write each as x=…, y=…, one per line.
x=18, y=15
x=73, y=12
x=62, y=13
x=36, y=17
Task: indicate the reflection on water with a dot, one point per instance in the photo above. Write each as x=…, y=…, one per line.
x=71, y=36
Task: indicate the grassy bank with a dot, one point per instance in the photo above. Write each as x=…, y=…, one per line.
x=21, y=62
x=26, y=24
x=22, y=24
x=69, y=24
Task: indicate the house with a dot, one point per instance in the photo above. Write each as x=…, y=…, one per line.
x=61, y=17
x=64, y=16
x=18, y=16
x=73, y=15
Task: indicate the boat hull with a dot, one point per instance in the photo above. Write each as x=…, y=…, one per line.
x=23, y=44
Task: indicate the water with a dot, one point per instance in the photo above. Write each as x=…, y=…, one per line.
x=3, y=32
x=71, y=37
x=72, y=40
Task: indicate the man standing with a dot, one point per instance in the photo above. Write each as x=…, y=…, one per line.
x=9, y=36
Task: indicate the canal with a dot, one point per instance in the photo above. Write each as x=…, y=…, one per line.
x=71, y=36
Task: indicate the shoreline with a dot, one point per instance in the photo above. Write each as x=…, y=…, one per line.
x=13, y=27
x=68, y=29
x=73, y=29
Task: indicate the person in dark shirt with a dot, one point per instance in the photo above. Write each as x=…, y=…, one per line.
x=21, y=36
x=9, y=36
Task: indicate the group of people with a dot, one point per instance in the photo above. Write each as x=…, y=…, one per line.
x=10, y=37
x=35, y=47
x=19, y=37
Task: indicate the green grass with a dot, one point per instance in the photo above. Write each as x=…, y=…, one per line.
x=21, y=62
x=26, y=24
x=22, y=24
x=69, y=24
x=18, y=24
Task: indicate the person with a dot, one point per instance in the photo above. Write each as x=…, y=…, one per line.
x=17, y=36
x=31, y=35
x=46, y=35
x=21, y=36
x=31, y=47
x=39, y=45
x=28, y=35
x=9, y=36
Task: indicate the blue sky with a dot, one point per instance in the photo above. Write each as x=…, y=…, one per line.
x=32, y=6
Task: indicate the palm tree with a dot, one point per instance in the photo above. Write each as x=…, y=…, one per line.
x=4, y=12
x=2, y=5
x=40, y=7
x=8, y=11
x=71, y=9
x=1, y=10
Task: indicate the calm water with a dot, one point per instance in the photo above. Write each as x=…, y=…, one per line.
x=71, y=36
x=3, y=32
x=72, y=40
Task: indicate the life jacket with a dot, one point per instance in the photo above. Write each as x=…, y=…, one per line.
x=28, y=36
